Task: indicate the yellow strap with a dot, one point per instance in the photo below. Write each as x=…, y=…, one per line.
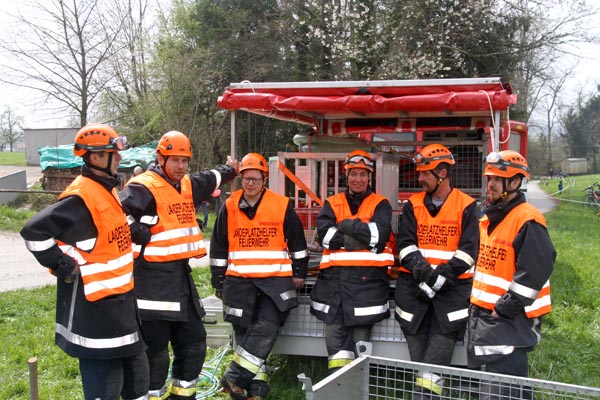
x=427, y=384
x=261, y=376
x=299, y=183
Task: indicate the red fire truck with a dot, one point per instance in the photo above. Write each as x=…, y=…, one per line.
x=392, y=119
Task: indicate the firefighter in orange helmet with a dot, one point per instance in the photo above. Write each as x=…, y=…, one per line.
x=84, y=240
x=161, y=204
x=258, y=259
x=511, y=287
x=437, y=242
x=352, y=291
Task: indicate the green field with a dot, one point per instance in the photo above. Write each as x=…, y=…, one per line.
x=12, y=158
x=569, y=351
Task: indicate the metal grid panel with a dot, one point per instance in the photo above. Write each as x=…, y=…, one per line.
x=394, y=379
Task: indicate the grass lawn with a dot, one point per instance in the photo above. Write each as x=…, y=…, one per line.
x=12, y=158
x=569, y=351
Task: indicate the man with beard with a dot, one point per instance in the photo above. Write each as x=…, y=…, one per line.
x=511, y=287
x=437, y=242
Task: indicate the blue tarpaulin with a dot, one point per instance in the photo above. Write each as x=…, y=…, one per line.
x=62, y=157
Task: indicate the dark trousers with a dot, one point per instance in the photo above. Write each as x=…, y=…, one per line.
x=188, y=340
x=111, y=379
x=516, y=364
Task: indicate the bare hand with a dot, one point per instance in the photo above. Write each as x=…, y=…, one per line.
x=298, y=282
x=233, y=163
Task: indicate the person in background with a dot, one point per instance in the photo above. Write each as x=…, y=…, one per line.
x=352, y=290
x=437, y=241
x=160, y=205
x=84, y=240
x=204, y=206
x=258, y=261
x=511, y=287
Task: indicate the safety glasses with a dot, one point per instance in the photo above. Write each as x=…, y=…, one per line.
x=420, y=160
x=496, y=159
x=119, y=143
x=360, y=159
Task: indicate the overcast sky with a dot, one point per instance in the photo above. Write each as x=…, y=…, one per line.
x=39, y=114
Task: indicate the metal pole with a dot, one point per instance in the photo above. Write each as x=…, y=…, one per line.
x=33, y=378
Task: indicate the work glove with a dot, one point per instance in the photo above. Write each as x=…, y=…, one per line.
x=442, y=278
x=347, y=226
x=425, y=293
x=140, y=233
x=217, y=276
x=508, y=306
x=352, y=244
x=200, y=224
x=422, y=271
x=67, y=268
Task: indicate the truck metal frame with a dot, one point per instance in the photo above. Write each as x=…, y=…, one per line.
x=392, y=119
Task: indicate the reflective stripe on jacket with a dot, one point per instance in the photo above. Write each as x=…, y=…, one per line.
x=175, y=231
x=363, y=258
x=257, y=247
x=496, y=263
x=438, y=237
x=105, y=263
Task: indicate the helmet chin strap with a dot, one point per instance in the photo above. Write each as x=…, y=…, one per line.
x=106, y=169
x=439, y=182
x=164, y=169
x=505, y=191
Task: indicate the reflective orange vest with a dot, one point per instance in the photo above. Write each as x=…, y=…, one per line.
x=359, y=258
x=175, y=233
x=438, y=237
x=257, y=247
x=496, y=263
x=106, y=262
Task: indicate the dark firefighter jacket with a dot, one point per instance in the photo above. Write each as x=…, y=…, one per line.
x=108, y=326
x=257, y=247
x=515, y=261
x=449, y=235
x=163, y=288
x=358, y=292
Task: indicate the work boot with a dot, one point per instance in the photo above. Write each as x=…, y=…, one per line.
x=235, y=392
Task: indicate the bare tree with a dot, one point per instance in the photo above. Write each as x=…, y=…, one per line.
x=61, y=50
x=11, y=129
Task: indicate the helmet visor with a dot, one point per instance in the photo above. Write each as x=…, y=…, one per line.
x=119, y=143
x=495, y=159
x=419, y=159
x=358, y=159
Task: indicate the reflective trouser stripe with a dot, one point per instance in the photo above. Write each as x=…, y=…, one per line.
x=431, y=382
x=340, y=359
x=261, y=375
x=160, y=394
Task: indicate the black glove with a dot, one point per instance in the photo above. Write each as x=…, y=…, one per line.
x=66, y=268
x=442, y=278
x=219, y=293
x=352, y=244
x=347, y=226
x=422, y=271
x=140, y=233
x=508, y=306
x=425, y=293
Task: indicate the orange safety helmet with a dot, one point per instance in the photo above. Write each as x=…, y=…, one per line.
x=97, y=137
x=359, y=159
x=431, y=156
x=174, y=143
x=254, y=161
x=506, y=164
